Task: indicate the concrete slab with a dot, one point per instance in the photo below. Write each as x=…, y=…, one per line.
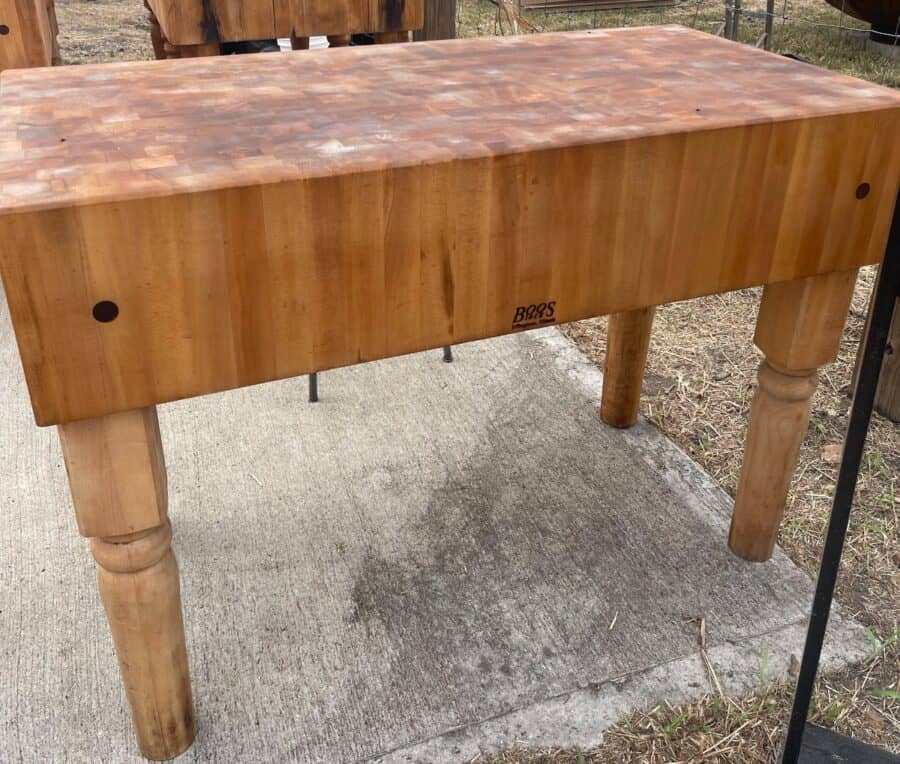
x=434, y=560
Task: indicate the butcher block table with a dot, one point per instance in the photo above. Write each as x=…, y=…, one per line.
x=190, y=28
x=159, y=239
x=27, y=34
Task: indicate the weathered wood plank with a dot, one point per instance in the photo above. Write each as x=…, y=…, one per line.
x=192, y=22
x=590, y=173
x=27, y=33
x=439, y=22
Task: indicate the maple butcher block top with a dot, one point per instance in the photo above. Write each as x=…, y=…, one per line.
x=97, y=133
x=175, y=228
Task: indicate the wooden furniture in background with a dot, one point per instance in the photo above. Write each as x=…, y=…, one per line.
x=439, y=22
x=627, y=342
x=191, y=28
x=887, y=399
x=592, y=173
x=28, y=33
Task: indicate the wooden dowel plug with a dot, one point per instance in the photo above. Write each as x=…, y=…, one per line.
x=156, y=35
x=117, y=476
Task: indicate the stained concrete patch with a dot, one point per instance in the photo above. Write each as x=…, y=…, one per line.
x=434, y=560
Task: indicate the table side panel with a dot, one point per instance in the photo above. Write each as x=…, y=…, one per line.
x=229, y=288
x=192, y=22
x=30, y=38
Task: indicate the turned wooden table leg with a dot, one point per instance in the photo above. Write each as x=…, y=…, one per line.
x=55, y=56
x=798, y=329
x=118, y=482
x=627, y=342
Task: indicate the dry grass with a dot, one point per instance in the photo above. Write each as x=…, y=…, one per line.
x=700, y=378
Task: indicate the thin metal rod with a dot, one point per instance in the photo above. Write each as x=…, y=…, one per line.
x=448, y=354
x=313, y=387
x=886, y=293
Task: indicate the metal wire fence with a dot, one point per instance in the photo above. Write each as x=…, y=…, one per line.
x=771, y=24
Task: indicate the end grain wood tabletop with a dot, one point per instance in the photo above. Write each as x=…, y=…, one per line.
x=175, y=228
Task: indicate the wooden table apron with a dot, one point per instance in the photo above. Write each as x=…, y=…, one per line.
x=199, y=22
x=177, y=228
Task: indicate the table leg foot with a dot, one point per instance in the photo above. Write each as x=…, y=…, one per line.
x=627, y=342
x=779, y=416
x=798, y=329
x=139, y=586
x=117, y=478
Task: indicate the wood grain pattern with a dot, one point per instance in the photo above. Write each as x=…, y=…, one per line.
x=373, y=212
x=799, y=328
x=117, y=476
x=117, y=473
x=192, y=22
x=800, y=323
x=30, y=37
x=627, y=342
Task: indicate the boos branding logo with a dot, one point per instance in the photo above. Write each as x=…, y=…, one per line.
x=538, y=314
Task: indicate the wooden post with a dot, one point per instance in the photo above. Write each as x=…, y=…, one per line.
x=887, y=399
x=627, y=342
x=440, y=21
x=799, y=329
x=55, y=55
x=117, y=477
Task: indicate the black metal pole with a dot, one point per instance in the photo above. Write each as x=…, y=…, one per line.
x=886, y=293
x=313, y=387
x=448, y=354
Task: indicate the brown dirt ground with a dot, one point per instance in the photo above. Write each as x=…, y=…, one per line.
x=699, y=382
